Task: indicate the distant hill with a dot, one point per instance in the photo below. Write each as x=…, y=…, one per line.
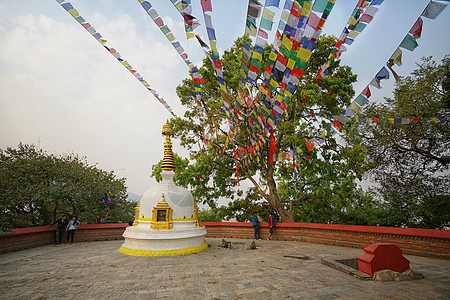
x=133, y=197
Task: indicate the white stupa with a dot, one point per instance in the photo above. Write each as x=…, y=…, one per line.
x=166, y=220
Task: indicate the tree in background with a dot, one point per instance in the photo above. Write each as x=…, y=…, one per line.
x=412, y=159
x=325, y=175
x=37, y=187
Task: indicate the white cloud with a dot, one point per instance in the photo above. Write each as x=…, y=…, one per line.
x=59, y=86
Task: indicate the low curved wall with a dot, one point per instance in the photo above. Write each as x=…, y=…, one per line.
x=422, y=242
x=23, y=238
x=414, y=241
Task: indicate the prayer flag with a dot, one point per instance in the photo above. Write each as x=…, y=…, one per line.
x=366, y=92
x=272, y=148
x=382, y=74
x=396, y=57
x=206, y=5
x=409, y=43
x=275, y=3
x=416, y=30
x=376, y=83
x=361, y=100
x=433, y=10
x=266, y=24
x=309, y=146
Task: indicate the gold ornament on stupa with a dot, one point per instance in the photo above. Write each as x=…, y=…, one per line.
x=168, y=163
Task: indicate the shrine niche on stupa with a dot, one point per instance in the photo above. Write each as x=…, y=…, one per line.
x=166, y=218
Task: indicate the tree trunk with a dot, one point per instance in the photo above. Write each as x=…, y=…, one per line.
x=287, y=216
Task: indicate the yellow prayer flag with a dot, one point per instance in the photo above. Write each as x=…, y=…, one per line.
x=213, y=46
x=102, y=41
x=273, y=82
x=125, y=63
x=306, y=8
x=355, y=107
x=391, y=120
x=262, y=90
x=323, y=133
x=304, y=54
x=299, y=150
x=73, y=12
x=397, y=57
x=351, y=21
x=279, y=98
x=285, y=15
x=273, y=56
x=286, y=42
x=179, y=6
x=356, y=119
x=170, y=37
x=287, y=93
x=257, y=56
x=352, y=34
x=435, y=120
x=268, y=14
x=290, y=64
x=242, y=73
x=190, y=35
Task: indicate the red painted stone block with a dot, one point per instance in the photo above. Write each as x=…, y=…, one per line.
x=382, y=256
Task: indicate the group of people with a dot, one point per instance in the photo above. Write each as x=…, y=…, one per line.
x=255, y=222
x=66, y=226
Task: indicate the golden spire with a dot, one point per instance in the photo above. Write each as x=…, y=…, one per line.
x=168, y=163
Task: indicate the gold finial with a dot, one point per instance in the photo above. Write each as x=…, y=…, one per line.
x=168, y=163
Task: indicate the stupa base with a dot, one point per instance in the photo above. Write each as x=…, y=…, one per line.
x=139, y=252
x=184, y=238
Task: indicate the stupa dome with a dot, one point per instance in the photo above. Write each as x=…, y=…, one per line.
x=178, y=198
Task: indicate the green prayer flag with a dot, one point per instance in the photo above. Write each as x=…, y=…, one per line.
x=409, y=43
x=320, y=5
x=359, y=27
x=266, y=24
x=165, y=29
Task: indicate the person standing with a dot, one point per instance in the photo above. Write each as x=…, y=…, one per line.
x=255, y=223
x=271, y=225
x=71, y=227
x=61, y=227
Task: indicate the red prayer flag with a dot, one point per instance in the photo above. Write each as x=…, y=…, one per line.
x=366, y=92
x=416, y=30
x=272, y=148
x=309, y=146
x=206, y=5
x=377, y=120
x=263, y=34
x=336, y=124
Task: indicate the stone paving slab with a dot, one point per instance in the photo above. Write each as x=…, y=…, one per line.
x=275, y=270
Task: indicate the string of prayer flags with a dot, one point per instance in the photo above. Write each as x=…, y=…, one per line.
x=147, y=6
x=215, y=60
x=361, y=16
x=253, y=13
x=74, y=13
x=190, y=22
x=403, y=121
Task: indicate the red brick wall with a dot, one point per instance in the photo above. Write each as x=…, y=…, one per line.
x=422, y=242
x=23, y=238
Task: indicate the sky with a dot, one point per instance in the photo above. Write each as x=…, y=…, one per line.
x=62, y=91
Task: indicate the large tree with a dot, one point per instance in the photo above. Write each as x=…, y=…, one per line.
x=37, y=187
x=325, y=174
x=412, y=159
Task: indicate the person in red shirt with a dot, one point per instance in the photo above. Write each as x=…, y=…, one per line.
x=271, y=226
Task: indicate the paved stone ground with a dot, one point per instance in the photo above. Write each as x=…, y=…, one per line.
x=276, y=270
